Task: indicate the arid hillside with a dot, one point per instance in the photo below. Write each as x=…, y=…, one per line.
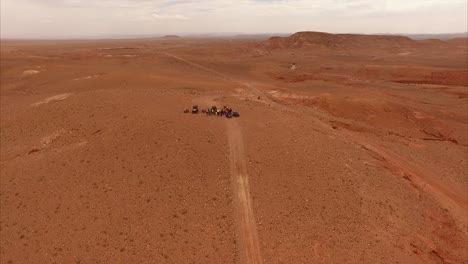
x=308, y=39
x=348, y=149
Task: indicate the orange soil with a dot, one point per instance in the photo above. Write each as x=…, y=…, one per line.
x=358, y=155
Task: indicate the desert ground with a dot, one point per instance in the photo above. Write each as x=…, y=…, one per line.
x=348, y=149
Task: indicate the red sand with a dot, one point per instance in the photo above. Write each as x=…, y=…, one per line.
x=359, y=155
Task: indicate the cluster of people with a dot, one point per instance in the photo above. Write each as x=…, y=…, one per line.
x=217, y=111
x=223, y=111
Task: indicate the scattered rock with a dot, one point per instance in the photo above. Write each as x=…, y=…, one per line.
x=87, y=77
x=30, y=72
x=33, y=151
x=55, y=98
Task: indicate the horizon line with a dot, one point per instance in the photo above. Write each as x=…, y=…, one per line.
x=209, y=35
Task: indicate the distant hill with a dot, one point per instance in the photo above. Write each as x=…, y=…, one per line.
x=170, y=36
x=257, y=36
x=437, y=36
x=309, y=38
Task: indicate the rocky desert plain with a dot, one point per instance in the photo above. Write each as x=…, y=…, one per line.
x=348, y=149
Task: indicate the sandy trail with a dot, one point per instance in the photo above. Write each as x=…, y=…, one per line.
x=250, y=88
x=199, y=66
x=247, y=229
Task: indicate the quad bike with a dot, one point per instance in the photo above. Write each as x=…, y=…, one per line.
x=195, y=109
x=235, y=114
x=186, y=110
x=214, y=109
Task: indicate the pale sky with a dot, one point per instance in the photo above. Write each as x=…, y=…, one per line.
x=91, y=18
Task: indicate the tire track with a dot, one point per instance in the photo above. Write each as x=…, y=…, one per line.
x=199, y=66
x=247, y=229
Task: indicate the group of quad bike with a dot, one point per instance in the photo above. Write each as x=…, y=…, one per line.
x=224, y=111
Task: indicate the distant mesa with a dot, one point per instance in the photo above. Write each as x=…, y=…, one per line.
x=431, y=41
x=310, y=38
x=170, y=36
x=438, y=36
x=459, y=41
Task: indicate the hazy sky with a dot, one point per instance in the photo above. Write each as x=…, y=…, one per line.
x=78, y=18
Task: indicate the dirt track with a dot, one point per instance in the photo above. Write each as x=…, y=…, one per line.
x=247, y=230
x=356, y=156
x=247, y=227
